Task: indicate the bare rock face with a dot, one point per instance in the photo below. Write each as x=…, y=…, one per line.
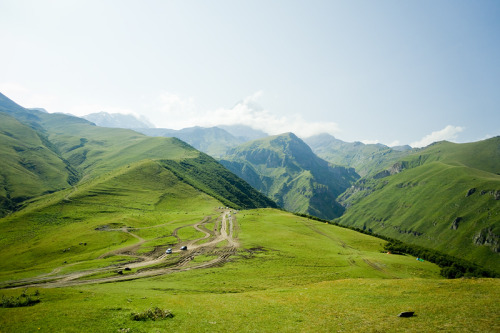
x=455, y=223
x=486, y=237
x=496, y=194
x=470, y=192
x=395, y=169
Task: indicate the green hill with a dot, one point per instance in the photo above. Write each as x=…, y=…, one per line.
x=29, y=167
x=62, y=150
x=364, y=158
x=445, y=197
x=139, y=194
x=285, y=169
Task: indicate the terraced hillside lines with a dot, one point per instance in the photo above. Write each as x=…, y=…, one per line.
x=220, y=244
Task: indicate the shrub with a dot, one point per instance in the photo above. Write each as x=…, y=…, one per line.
x=22, y=300
x=152, y=314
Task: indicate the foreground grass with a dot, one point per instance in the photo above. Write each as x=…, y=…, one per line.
x=291, y=274
x=343, y=305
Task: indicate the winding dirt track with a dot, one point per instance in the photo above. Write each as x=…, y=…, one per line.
x=219, y=243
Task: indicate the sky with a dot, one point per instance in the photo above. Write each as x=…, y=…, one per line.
x=388, y=71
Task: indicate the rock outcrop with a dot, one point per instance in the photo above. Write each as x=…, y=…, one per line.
x=486, y=237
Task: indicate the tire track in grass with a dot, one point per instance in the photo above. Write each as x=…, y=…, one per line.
x=225, y=233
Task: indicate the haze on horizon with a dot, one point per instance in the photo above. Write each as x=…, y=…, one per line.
x=387, y=71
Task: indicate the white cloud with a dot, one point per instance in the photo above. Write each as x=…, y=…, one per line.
x=449, y=133
x=12, y=89
x=394, y=143
x=486, y=137
x=169, y=110
x=177, y=112
x=27, y=98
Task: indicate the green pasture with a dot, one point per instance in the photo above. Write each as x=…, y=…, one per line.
x=290, y=274
x=350, y=305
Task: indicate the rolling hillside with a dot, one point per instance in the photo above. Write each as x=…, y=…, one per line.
x=446, y=197
x=56, y=151
x=93, y=256
x=284, y=168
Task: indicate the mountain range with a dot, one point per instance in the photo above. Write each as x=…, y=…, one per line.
x=444, y=196
x=118, y=120
x=110, y=230
x=44, y=153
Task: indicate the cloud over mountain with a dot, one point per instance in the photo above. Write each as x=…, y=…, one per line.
x=449, y=133
x=177, y=112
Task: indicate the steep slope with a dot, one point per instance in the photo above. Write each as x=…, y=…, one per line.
x=213, y=140
x=364, y=158
x=28, y=166
x=284, y=168
x=446, y=197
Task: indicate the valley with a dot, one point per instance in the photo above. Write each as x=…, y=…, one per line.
x=88, y=214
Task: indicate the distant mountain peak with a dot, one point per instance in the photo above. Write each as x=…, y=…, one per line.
x=244, y=132
x=118, y=120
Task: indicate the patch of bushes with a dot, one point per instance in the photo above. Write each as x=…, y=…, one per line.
x=24, y=299
x=152, y=314
x=451, y=267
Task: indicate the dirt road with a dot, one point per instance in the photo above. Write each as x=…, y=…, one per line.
x=219, y=244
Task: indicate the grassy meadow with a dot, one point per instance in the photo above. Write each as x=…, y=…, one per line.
x=289, y=274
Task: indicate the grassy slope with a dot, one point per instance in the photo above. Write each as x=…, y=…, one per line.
x=140, y=195
x=204, y=173
x=284, y=168
x=28, y=167
x=278, y=282
x=420, y=204
x=94, y=150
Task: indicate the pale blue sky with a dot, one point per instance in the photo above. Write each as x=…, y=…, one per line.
x=373, y=71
